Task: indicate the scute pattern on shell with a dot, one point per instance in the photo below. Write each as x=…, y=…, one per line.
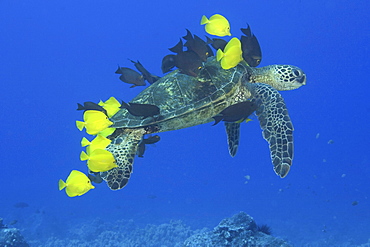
x=184, y=100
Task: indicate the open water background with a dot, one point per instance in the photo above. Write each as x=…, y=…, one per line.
x=56, y=53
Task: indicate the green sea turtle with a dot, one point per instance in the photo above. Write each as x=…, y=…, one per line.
x=186, y=101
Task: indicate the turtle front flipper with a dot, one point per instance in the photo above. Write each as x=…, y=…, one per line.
x=233, y=133
x=123, y=147
x=276, y=125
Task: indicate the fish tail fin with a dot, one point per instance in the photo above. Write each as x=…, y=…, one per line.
x=209, y=40
x=85, y=142
x=84, y=156
x=80, y=107
x=61, y=184
x=80, y=125
x=118, y=71
x=204, y=20
x=220, y=54
x=217, y=119
x=124, y=105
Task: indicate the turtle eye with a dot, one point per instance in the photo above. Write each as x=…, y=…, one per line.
x=296, y=72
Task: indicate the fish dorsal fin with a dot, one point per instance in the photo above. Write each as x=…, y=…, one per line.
x=188, y=35
x=178, y=48
x=247, y=31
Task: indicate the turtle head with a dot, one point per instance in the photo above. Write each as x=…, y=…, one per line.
x=288, y=77
x=281, y=77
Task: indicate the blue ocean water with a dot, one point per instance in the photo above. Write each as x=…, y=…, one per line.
x=57, y=53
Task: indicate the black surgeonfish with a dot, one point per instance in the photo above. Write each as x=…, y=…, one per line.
x=130, y=76
x=149, y=140
x=217, y=43
x=238, y=112
x=188, y=62
x=197, y=45
x=88, y=105
x=141, y=110
x=251, y=48
x=146, y=74
x=178, y=48
x=168, y=62
x=95, y=177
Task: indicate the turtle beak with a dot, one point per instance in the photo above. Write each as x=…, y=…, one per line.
x=302, y=79
x=300, y=76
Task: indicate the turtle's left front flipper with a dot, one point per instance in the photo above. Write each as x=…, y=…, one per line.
x=276, y=125
x=123, y=147
x=233, y=133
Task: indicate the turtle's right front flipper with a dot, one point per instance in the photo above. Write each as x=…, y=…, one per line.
x=276, y=125
x=123, y=147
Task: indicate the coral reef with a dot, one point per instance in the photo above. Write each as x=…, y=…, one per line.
x=122, y=233
x=11, y=237
x=239, y=230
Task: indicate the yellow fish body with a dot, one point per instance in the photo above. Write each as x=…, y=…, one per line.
x=112, y=106
x=247, y=120
x=107, y=132
x=216, y=25
x=99, y=142
x=99, y=160
x=76, y=184
x=232, y=54
x=94, y=122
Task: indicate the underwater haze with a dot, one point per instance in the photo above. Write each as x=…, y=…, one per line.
x=55, y=54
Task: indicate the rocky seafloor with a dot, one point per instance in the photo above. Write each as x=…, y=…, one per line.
x=239, y=230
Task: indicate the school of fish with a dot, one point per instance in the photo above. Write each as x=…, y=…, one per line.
x=96, y=115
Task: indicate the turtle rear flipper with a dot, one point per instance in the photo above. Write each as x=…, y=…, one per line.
x=123, y=147
x=233, y=133
x=276, y=125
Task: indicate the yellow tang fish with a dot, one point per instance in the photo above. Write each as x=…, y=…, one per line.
x=242, y=120
x=112, y=106
x=99, y=160
x=232, y=54
x=94, y=122
x=107, y=132
x=216, y=25
x=99, y=142
x=77, y=184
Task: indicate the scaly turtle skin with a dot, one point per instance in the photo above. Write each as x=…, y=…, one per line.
x=186, y=101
